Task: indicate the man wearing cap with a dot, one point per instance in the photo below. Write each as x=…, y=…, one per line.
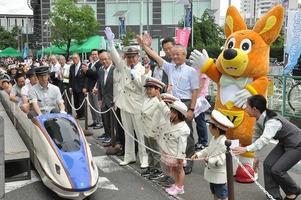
x=92, y=75
x=133, y=76
x=44, y=96
x=185, y=84
x=214, y=156
x=76, y=85
x=31, y=75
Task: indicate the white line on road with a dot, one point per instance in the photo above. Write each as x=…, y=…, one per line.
x=104, y=183
x=106, y=165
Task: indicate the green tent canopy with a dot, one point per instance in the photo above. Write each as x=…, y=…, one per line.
x=10, y=52
x=94, y=42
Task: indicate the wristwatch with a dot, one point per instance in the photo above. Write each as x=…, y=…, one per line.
x=192, y=109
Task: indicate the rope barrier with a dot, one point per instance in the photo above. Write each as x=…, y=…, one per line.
x=252, y=177
x=174, y=157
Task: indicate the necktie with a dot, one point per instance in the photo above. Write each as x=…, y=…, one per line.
x=76, y=69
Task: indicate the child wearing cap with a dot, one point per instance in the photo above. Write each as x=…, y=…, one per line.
x=173, y=143
x=214, y=155
x=149, y=106
x=158, y=126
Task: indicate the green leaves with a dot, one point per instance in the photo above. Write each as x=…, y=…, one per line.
x=71, y=22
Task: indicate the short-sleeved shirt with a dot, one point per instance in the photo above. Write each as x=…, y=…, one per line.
x=47, y=98
x=25, y=89
x=16, y=91
x=183, y=78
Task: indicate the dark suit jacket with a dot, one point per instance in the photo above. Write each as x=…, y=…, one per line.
x=92, y=76
x=105, y=91
x=76, y=81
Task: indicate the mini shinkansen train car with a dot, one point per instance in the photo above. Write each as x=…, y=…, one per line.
x=62, y=156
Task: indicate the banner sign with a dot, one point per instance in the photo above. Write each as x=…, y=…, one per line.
x=293, y=40
x=183, y=37
x=188, y=18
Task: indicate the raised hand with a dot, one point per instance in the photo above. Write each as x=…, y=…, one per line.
x=198, y=59
x=109, y=34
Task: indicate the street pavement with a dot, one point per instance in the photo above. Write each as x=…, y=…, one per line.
x=126, y=183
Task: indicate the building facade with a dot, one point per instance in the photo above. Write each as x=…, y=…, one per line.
x=158, y=17
x=25, y=23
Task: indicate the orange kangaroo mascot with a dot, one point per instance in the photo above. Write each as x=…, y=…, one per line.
x=241, y=69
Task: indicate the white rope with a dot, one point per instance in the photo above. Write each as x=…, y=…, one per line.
x=174, y=157
x=202, y=158
x=72, y=105
x=252, y=177
x=97, y=111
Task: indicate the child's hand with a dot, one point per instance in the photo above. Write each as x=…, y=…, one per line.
x=180, y=161
x=206, y=160
x=194, y=156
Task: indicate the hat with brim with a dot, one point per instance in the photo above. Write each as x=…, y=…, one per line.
x=179, y=106
x=42, y=70
x=11, y=67
x=131, y=51
x=169, y=98
x=220, y=120
x=4, y=78
x=30, y=72
x=153, y=82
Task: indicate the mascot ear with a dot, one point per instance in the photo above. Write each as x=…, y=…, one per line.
x=269, y=26
x=234, y=21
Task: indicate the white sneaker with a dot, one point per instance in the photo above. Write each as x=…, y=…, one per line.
x=175, y=191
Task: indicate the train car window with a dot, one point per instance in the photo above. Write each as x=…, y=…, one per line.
x=64, y=134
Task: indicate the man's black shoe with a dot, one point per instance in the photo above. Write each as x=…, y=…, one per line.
x=120, y=153
x=92, y=125
x=187, y=170
x=98, y=126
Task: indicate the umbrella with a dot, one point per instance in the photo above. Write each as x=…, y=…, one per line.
x=10, y=52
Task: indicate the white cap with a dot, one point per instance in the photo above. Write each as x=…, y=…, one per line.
x=179, y=106
x=220, y=120
x=169, y=98
x=153, y=82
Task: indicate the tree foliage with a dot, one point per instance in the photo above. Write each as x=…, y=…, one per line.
x=70, y=22
x=128, y=37
x=206, y=33
x=8, y=38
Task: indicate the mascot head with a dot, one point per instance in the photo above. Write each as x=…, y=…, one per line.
x=246, y=52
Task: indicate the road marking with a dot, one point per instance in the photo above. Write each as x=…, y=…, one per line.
x=10, y=186
x=106, y=165
x=104, y=183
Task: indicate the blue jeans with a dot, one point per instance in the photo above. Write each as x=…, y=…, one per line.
x=201, y=129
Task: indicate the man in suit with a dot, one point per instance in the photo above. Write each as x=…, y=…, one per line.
x=76, y=85
x=92, y=71
x=105, y=94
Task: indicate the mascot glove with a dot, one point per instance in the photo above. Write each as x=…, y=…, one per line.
x=134, y=74
x=109, y=34
x=241, y=98
x=63, y=112
x=198, y=58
